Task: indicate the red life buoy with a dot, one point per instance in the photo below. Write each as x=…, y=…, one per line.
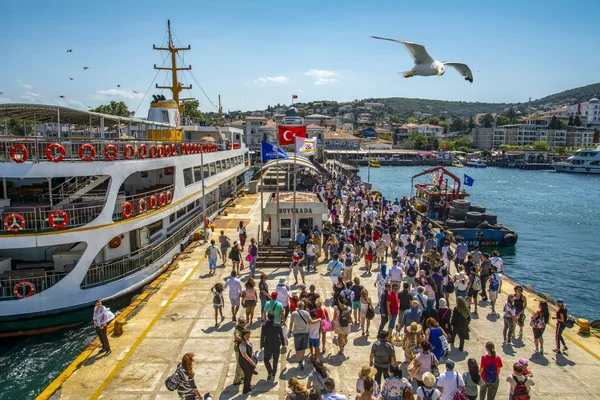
x=169, y=196
x=111, y=152
x=14, y=222
x=58, y=214
x=182, y=149
x=60, y=148
x=167, y=151
x=23, y=153
x=198, y=148
x=82, y=150
x=128, y=152
x=142, y=206
x=22, y=284
x=153, y=151
x=142, y=151
x=162, y=200
x=161, y=151
x=173, y=149
x=206, y=222
x=152, y=201
x=127, y=209
x=187, y=148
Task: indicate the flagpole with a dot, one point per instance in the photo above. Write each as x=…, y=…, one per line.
x=277, y=190
x=294, y=202
x=261, y=238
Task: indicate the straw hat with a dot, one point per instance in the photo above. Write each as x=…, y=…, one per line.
x=415, y=328
x=428, y=379
x=281, y=281
x=367, y=371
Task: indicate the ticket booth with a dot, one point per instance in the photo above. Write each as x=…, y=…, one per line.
x=310, y=208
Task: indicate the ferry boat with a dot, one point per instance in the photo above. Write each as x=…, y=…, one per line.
x=584, y=161
x=476, y=163
x=443, y=202
x=95, y=206
x=373, y=163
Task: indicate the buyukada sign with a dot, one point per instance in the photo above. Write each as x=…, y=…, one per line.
x=304, y=210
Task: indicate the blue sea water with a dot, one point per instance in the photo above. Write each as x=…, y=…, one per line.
x=557, y=217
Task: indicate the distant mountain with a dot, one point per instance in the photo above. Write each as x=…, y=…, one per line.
x=572, y=96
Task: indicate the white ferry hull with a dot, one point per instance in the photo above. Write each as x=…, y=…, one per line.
x=584, y=169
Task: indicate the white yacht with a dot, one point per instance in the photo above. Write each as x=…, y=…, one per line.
x=95, y=206
x=584, y=161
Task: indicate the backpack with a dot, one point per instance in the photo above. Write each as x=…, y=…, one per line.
x=476, y=283
x=370, y=251
x=370, y=313
x=217, y=298
x=450, y=287
x=407, y=394
x=491, y=372
x=520, y=392
x=428, y=396
x=494, y=284
x=411, y=271
x=348, y=261
x=172, y=382
x=344, y=320
x=570, y=322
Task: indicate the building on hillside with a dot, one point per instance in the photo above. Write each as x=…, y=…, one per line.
x=292, y=117
x=377, y=145
x=527, y=135
x=479, y=116
x=278, y=117
x=346, y=108
x=373, y=104
x=482, y=138
x=340, y=140
x=320, y=119
x=588, y=112
x=252, y=131
x=426, y=129
x=580, y=137
x=400, y=134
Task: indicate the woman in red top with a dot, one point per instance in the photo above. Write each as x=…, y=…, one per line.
x=490, y=371
x=323, y=314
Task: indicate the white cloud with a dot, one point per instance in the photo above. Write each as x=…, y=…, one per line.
x=32, y=97
x=24, y=85
x=322, y=76
x=263, y=80
x=5, y=100
x=71, y=103
x=111, y=93
x=300, y=91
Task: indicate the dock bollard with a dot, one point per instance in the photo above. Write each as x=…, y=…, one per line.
x=118, y=328
x=584, y=326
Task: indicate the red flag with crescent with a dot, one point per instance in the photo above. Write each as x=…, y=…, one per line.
x=288, y=134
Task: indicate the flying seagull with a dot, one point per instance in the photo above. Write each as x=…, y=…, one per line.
x=85, y=68
x=70, y=51
x=427, y=66
x=135, y=92
x=118, y=85
x=70, y=79
x=62, y=97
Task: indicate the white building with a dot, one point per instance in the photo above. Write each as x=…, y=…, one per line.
x=252, y=131
x=426, y=129
x=588, y=112
x=580, y=137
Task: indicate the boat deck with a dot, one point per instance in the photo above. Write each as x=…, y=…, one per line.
x=179, y=318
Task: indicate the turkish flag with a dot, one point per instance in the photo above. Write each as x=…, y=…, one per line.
x=287, y=134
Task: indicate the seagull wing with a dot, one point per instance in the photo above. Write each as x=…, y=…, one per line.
x=416, y=50
x=463, y=69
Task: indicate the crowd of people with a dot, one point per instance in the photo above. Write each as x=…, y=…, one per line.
x=427, y=289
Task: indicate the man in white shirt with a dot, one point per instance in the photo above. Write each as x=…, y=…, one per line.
x=299, y=326
x=396, y=273
x=235, y=292
x=450, y=382
x=421, y=298
x=497, y=261
x=100, y=320
x=331, y=393
x=212, y=252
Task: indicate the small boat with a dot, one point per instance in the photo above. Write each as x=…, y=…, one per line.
x=373, y=163
x=476, y=163
x=458, y=164
x=585, y=161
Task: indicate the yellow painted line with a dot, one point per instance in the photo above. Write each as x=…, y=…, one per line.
x=138, y=341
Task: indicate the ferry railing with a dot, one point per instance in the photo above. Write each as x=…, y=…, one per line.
x=66, y=149
x=102, y=273
x=41, y=282
x=37, y=218
x=135, y=199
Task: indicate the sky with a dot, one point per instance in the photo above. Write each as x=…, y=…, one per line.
x=259, y=53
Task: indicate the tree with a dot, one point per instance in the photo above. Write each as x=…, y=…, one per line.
x=412, y=120
x=577, y=121
x=447, y=145
x=560, y=150
x=431, y=143
x=541, y=145
x=444, y=125
x=463, y=141
x=511, y=114
x=501, y=120
x=191, y=109
x=486, y=154
x=554, y=124
x=487, y=120
x=415, y=141
x=433, y=121
x=471, y=122
x=571, y=120
x=394, y=119
x=385, y=136
x=114, y=108
x=561, y=124
x=303, y=113
x=457, y=125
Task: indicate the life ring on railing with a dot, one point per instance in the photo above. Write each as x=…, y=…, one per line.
x=85, y=147
x=22, y=284
x=161, y=151
x=127, y=210
x=152, y=201
x=114, y=242
x=142, y=207
x=60, y=215
x=153, y=151
x=110, y=152
x=14, y=222
x=60, y=148
x=169, y=196
x=23, y=153
x=142, y=151
x=128, y=152
x=162, y=199
x=187, y=148
x=182, y=149
x=167, y=151
x=206, y=222
x=173, y=149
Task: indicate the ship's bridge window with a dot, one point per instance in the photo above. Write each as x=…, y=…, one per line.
x=197, y=173
x=188, y=178
x=164, y=115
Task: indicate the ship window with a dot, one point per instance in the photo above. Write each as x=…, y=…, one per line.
x=228, y=163
x=206, y=172
x=197, y=173
x=219, y=166
x=181, y=213
x=155, y=227
x=164, y=115
x=212, y=168
x=172, y=218
x=188, y=179
x=190, y=207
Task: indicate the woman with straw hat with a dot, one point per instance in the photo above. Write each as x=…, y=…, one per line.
x=428, y=391
x=366, y=372
x=412, y=341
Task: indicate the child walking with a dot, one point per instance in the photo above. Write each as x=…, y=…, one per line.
x=217, y=292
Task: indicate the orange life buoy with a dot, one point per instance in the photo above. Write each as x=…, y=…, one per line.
x=14, y=222
x=58, y=214
x=142, y=151
x=128, y=151
x=142, y=206
x=161, y=151
x=82, y=150
x=162, y=199
x=60, y=148
x=152, y=202
x=127, y=210
x=23, y=153
x=17, y=290
x=169, y=196
x=153, y=151
x=114, y=242
x=111, y=152
x=173, y=149
x=206, y=222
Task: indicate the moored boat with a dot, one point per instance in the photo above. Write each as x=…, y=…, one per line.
x=585, y=161
x=476, y=163
x=373, y=163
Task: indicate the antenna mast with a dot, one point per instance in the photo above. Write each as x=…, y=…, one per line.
x=220, y=113
x=175, y=87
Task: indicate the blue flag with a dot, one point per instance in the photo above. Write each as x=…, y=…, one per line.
x=468, y=180
x=269, y=152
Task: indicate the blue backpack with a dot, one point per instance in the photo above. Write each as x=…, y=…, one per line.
x=491, y=373
x=494, y=284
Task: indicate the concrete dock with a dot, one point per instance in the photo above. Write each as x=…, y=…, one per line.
x=179, y=318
